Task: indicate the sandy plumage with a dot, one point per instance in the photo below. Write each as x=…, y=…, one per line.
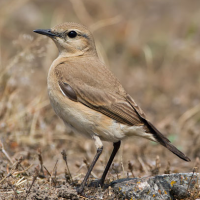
x=90, y=99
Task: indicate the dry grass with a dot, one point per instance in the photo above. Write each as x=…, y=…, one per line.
x=151, y=46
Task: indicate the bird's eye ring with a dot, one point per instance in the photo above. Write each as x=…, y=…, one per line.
x=72, y=34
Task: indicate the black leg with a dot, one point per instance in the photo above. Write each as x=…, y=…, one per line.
x=115, y=150
x=81, y=188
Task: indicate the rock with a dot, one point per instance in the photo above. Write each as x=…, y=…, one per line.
x=161, y=187
x=179, y=192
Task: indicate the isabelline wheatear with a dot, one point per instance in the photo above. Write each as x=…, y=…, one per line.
x=90, y=99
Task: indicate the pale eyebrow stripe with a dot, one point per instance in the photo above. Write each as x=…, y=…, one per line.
x=78, y=33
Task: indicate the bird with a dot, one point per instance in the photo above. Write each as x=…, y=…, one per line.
x=90, y=100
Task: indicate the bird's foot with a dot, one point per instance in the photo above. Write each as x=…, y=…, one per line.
x=79, y=190
x=96, y=183
x=81, y=193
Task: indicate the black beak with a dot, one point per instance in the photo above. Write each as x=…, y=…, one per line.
x=46, y=32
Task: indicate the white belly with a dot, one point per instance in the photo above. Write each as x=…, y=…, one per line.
x=83, y=119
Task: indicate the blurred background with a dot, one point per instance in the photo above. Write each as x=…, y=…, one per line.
x=152, y=46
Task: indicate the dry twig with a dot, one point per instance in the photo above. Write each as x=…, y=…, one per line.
x=64, y=155
x=4, y=152
x=34, y=179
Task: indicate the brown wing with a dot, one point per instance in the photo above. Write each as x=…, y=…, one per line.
x=111, y=105
x=104, y=95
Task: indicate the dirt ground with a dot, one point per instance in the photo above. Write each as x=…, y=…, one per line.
x=152, y=47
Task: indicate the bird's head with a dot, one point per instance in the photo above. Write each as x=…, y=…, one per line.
x=72, y=39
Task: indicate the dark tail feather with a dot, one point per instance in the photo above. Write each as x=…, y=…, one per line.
x=165, y=142
x=156, y=133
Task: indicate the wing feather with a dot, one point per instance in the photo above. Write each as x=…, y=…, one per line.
x=106, y=95
x=109, y=101
x=108, y=104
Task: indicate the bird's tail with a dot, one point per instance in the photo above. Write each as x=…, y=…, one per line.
x=164, y=141
x=159, y=137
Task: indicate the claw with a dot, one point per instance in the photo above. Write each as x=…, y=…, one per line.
x=96, y=183
x=79, y=190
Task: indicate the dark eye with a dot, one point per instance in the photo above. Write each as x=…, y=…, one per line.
x=72, y=34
